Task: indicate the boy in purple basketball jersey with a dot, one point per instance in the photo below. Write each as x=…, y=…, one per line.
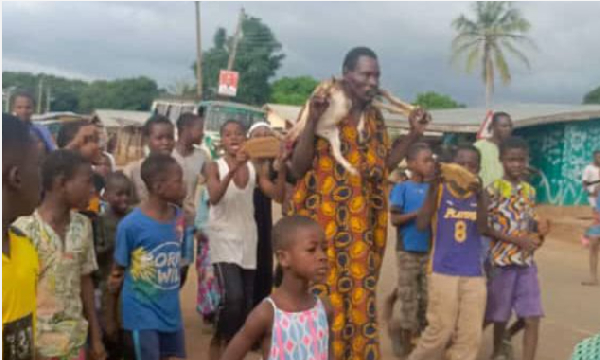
x=457, y=290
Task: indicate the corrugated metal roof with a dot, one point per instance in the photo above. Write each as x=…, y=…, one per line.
x=118, y=118
x=468, y=120
x=230, y=104
x=55, y=115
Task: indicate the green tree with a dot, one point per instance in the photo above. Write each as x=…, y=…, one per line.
x=128, y=94
x=434, y=100
x=64, y=93
x=83, y=97
x=213, y=61
x=592, y=97
x=181, y=88
x=497, y=28
x=257, y=60
x=292, y=90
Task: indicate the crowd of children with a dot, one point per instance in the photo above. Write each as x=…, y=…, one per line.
x=94, y=258
x=458, y=300
x=109, y=275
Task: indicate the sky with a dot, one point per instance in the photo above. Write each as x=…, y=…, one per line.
x=108, y=40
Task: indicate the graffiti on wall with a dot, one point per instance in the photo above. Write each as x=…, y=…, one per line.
x=560, y=153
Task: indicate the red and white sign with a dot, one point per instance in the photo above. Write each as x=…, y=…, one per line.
x=228, y=82
x=484, y=131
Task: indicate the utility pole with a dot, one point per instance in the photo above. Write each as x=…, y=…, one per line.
x=40, y=92
x=236, y=40
x=48, y=98
x=198, y=53
x=8, y=96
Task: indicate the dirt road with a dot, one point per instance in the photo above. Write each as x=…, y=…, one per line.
x=572, y=311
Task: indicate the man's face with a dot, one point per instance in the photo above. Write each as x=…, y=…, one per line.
x=23, y=108
x=363, y=80
x=503, y=128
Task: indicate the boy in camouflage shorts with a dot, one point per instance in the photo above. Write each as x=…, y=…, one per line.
x=407, y=303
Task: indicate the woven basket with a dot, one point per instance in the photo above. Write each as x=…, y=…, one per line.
x=263, y=148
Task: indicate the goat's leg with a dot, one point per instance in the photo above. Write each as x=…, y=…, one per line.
x=361, y=127
x=393, y=109
x=333, y=137
x=395, y=101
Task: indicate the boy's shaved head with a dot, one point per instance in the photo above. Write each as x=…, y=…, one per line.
x=415, y=149
x=154, y=120
x=514, y=142
x=118, y=181
x=468, y=147
x=61, y=163
x=286, y=228
x=16, y=139
x=20, y=169
x=155, y=168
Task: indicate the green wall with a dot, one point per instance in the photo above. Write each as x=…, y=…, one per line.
x=560, y=152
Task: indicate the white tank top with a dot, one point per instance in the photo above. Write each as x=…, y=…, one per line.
x=231, y=226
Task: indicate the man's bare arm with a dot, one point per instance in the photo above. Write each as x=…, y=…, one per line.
x=400, y=148
x=304, y=151
x=418, y=120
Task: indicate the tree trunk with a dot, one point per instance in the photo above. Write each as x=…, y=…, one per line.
x=489, y=86
x=489, y=77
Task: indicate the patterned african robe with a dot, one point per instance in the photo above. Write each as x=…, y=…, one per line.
x=353, y=211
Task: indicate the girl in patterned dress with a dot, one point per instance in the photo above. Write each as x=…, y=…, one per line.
x=292, y=323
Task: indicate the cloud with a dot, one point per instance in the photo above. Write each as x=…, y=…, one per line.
x=123, y=39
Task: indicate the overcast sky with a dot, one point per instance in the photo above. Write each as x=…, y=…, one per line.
x=107, y=40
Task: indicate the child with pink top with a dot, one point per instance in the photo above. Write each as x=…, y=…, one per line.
x=292, y=323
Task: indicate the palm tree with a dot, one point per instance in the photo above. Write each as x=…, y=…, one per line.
x=497, y=28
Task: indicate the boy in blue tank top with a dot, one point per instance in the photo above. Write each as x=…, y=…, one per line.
x=457, y=290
